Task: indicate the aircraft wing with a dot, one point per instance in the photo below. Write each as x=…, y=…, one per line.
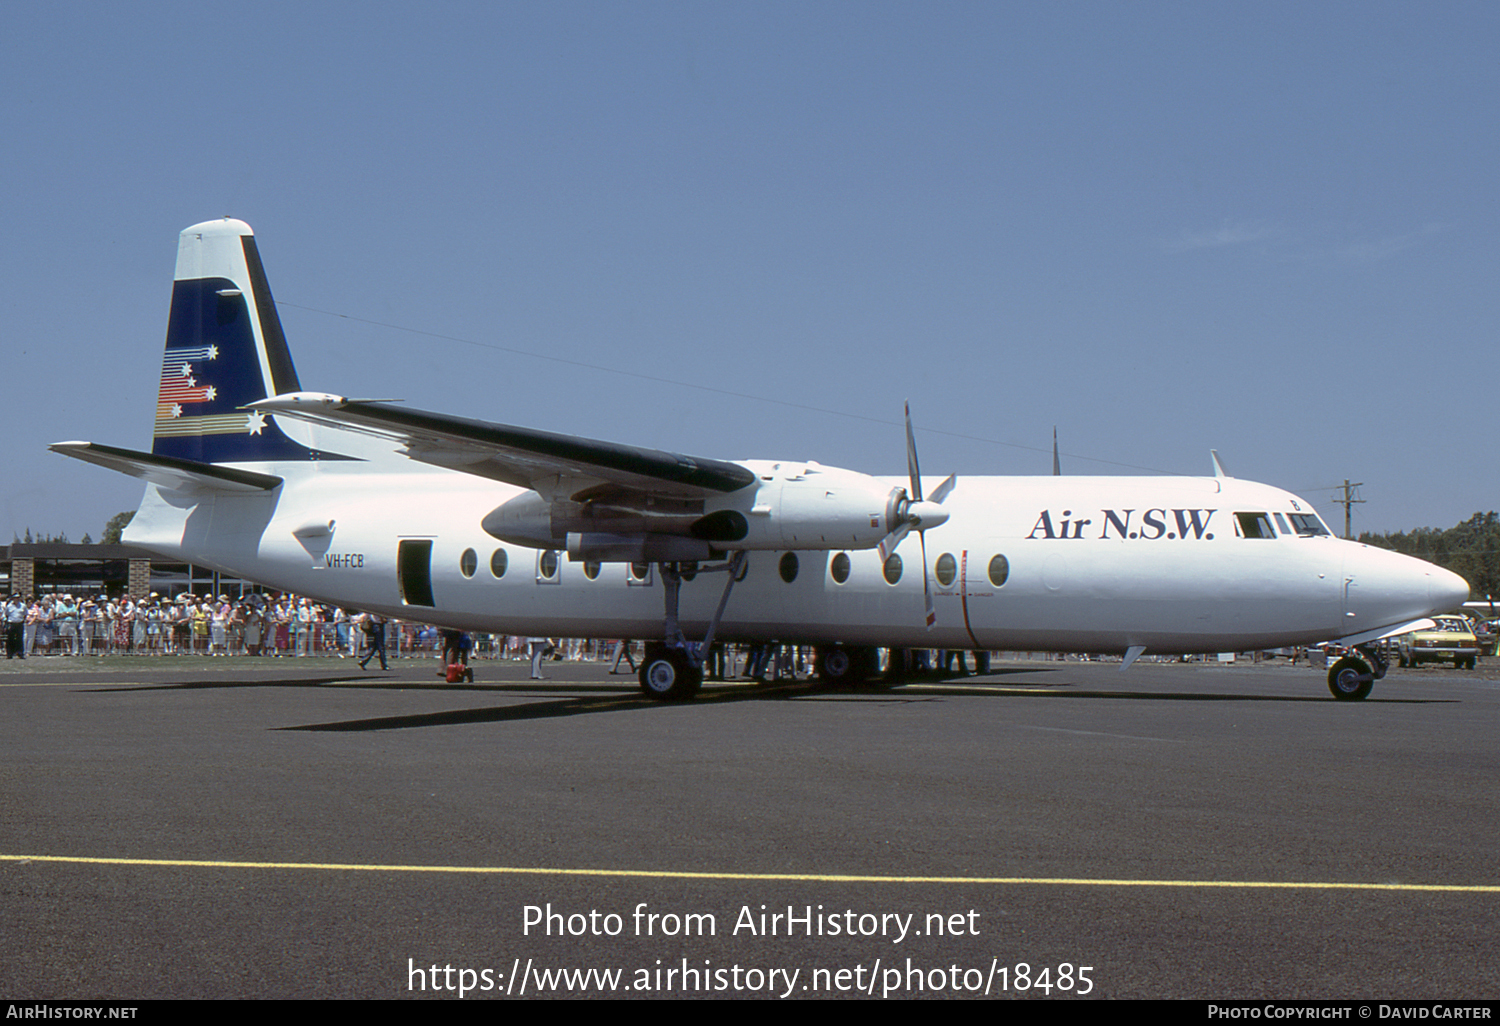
x=555, y=465
x=1381, y=633
x=168, y=471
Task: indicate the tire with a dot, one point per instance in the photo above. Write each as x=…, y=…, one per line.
x=668, y=676
x=835, y=665
x=1350, y=680
x=838, y=664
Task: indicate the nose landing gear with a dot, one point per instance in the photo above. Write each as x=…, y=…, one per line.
x=1351, y=677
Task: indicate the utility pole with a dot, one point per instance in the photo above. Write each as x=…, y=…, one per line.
x=1347, y=501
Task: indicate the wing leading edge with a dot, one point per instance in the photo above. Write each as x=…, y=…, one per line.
x=555, y=465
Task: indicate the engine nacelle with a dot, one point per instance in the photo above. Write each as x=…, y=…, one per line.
x=791, y=506
x=809, y=506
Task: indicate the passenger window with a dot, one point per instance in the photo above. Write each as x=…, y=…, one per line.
x=892, y=569
x=999, y=571
x=838, y=568
x=1254, y=525
x=946, y=570
x=788, y=567
x=546, y=567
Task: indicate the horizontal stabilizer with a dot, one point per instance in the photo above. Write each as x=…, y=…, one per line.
x=168, y=471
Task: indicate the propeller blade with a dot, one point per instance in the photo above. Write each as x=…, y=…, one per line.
x=889, y=542
x=911, y=458
x=941, y=491
x=927, y=584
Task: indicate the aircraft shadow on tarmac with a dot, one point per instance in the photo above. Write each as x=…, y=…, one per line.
x=624, y=698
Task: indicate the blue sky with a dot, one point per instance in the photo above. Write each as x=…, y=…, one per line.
x=753, y=230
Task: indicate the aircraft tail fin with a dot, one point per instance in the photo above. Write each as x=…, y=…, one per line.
x=225, y=349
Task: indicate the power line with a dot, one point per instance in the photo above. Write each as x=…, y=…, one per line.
x=702, y=388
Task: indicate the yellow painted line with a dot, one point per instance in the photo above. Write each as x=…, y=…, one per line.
x=654, y=874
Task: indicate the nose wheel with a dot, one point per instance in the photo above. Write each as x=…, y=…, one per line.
x=1351, y=678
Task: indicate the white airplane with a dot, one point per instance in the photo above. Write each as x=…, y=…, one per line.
x=463, y=523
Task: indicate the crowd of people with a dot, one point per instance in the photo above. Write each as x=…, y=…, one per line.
x=258, y=625
x=292, y=626
x=186, y=624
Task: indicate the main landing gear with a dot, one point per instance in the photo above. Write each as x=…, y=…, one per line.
x=1351, y=677
x=844, y=665
x=669, y=673
x=673, y=669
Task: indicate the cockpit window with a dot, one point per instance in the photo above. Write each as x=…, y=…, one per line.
x=1281, y=524
x=1307, y=525
x=1254, y=525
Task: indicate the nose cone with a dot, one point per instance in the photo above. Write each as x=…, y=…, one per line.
x=1384, y=588
x=1447, y=590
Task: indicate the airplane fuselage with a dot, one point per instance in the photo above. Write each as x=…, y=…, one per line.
x=1096, y=564
x=494, y=527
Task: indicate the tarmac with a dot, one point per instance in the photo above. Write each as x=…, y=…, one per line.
x=298, y=828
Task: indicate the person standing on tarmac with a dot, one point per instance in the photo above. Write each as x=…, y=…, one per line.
x=374, y=628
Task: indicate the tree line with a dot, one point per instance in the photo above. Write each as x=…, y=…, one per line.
x=1471, y=550
x=112, y=531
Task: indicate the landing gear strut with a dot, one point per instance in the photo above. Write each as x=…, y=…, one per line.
x=673, y=669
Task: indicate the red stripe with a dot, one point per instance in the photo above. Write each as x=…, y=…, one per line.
x=963, y=593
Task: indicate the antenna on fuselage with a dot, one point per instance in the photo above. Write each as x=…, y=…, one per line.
x=1056, y=463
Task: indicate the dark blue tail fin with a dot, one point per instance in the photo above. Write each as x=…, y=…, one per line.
x=225, y=349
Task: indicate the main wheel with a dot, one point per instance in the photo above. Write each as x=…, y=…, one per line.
x=835, y=665
x=839, y=664
x=668, y=675
x=1350, y=679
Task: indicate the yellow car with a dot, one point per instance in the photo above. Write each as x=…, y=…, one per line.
x=1452, y=638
